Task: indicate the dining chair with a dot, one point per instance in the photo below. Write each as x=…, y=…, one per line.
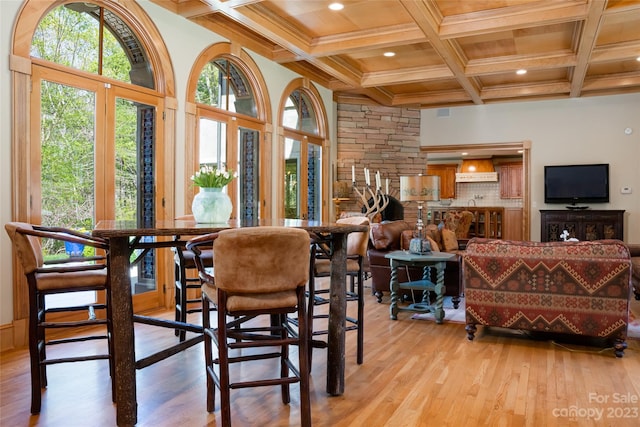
x=321, y=267
x=186, y=280
x=62, y=275
x=260, y=277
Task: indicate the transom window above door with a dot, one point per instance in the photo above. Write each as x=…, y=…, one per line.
x=223, y=85
x=93, y=39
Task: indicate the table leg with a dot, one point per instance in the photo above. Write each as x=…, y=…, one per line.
x=337, y=316
x=439, y=288
x=393, y=287
x=426, y=276
x=123, y=338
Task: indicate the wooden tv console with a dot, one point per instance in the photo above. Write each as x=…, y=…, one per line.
x=582, y=224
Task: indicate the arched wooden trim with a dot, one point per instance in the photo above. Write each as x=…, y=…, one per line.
x=241, y=59
x=305, y=85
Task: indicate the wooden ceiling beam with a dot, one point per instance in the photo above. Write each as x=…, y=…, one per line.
x=617, y=81
x=334, y=60
x=378, y=38
x=620, y=52
x=188, y=9
x=194, y=8
x=513, y=63
x=283, y=33
x=432, y=98
x=426, y=16
x=376, y=94
x=232, y=32
x=512, y=17
x=529, y=90
x=405, y=75
x=587, y=41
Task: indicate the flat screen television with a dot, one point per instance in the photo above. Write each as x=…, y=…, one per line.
x=576, y=184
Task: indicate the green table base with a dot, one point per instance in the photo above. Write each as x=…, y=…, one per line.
x=437, y=260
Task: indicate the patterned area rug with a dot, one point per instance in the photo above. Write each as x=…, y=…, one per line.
x=457, y=315
x=450, y=314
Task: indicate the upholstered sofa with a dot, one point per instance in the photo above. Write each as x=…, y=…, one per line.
x=394, y=235
x=634, y=249
x=579, y=288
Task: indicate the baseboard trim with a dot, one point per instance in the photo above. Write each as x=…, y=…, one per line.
x=13, y=335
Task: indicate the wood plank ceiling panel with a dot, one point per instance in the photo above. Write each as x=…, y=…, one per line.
x=447, y=52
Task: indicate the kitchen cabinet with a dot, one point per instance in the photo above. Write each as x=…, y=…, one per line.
x=447, y=174
x=583, y=225
x=487, y=222
x=511, y=180
x=512, y=224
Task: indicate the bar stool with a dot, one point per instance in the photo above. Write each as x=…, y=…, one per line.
x=186, y=278
x=260, y=272
x=67, y=275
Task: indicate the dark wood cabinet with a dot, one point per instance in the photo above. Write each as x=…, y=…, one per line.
x=511, y=180
x=583, y=225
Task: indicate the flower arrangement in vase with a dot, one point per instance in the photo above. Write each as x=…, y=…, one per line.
x=211, y=204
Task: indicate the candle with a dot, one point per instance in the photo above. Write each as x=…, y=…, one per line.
x=353, y=174
x=378, y=184
x=367, y=178
x=386, y=185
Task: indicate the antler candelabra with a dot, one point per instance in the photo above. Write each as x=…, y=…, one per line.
x=380, y=200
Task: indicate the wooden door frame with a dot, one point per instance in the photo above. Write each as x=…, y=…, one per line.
x=524, y=146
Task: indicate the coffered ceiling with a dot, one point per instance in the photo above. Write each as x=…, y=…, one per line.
x=447, y=52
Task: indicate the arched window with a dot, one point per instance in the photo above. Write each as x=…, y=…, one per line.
x=91, y=38
x=223, y=85
x=304, y=155
x=230, y=122
x=95, y=121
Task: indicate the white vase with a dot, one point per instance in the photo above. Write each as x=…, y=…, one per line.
x=211, y=206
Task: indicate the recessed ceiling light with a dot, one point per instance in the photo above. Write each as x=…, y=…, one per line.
x=464, y=153
x=521, y=72
x=389, y=54
x=336, y=6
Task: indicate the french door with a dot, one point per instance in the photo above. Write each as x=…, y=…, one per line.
x=302, y=178
x=95, y=159
x=235, y=143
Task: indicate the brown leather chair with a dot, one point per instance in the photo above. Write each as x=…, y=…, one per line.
x=321, y=267
x=260, y=272
x=65, y=275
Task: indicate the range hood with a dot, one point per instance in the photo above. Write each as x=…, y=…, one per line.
x=477, y=170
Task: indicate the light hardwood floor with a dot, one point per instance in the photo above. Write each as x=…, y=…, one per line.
x=416, y=373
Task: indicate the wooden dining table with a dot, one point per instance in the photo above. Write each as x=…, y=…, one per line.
x=125, y=237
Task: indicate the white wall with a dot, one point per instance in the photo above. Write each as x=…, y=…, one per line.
x=583, y=130
x=8, y=11
x=184, y=41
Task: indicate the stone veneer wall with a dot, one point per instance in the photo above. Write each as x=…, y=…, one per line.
x=384, y=139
